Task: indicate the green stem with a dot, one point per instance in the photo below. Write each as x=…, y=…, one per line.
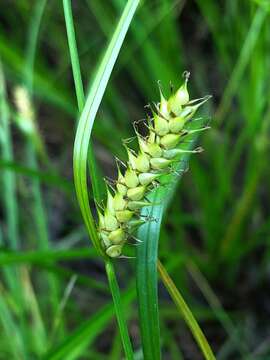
x=95, y=173
x=74, y=54
x=186, y=313
x=119, y=310
x=7, y=176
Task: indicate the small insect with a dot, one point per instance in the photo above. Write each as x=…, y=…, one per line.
x=158, y=151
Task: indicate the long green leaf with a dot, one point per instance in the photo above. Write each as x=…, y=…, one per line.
x=94, y=170
x=11, y=258
x=186, y=312
x=147, y=257
x=88, y=115
x=74, y=54
x=147, y=279
x=119, y=309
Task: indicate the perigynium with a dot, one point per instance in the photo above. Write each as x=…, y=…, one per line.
x=158, y=152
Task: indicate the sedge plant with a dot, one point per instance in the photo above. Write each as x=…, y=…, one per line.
x=168, y=126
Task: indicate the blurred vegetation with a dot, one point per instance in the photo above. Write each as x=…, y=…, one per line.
x=54, y=299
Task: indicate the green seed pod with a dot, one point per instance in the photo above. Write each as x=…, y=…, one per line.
x=131, y=178
x=136, y=193
x=163, y=106
x=117, y=236
x=180, y=98
x=189, y=111
x=105, y=240
x=170, y=141
x=100, y=219
x=119, y=203
x=158, y=139
x=142, y=162
x=121, y=188
x=170, y=154
x=154, y=150
x=110, y=206
x=110, y=222
x=131, y=158
x=142, y=144
x=136, y=205
x=134, y=224
x=124, y=216
x=161, y=125
x=114, y=251
x=159, y=163
x=177, y=124
x=152, y=137
x=147, y=178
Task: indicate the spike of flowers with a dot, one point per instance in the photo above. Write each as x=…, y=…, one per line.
x=158, y=150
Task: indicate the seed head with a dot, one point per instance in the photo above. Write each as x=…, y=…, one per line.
x=157, y=152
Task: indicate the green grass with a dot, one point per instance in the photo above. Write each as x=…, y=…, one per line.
x=213, y=230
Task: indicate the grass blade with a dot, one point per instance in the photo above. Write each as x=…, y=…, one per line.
x=32, y=257
x=94, y=171
x=147, y=280
x=88, y=116
x=74, y=54
x=147, y=257
x=242, y=62
x=119, y=309
x=186, y=312
x=8, y=178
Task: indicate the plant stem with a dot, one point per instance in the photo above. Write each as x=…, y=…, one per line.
x=94, y=170
x=8, y=178
x=186, y=313
x=119, y=309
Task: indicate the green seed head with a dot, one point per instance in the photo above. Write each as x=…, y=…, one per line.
x=157, y=151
